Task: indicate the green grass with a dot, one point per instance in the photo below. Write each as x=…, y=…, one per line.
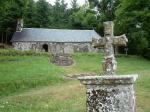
x=33, y=85
x=19, y=73
x=85, y=62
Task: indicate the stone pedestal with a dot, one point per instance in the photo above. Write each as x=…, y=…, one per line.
x=110, y=93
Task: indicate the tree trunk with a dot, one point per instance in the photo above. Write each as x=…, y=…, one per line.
x=6, y=38
x=2, y=37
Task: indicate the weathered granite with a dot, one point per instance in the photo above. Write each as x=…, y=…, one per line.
x=110, y=93
x=62, y=59
x=108, y=42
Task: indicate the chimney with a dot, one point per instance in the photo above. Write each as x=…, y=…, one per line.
x=19, y=25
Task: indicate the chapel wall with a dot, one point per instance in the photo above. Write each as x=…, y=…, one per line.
x=55, y=47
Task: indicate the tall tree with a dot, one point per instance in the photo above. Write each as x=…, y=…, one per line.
x=84, y=19
x=60, y=14
x=29, y=14
x=10, y=11
x=106, y=11
x=132, y=18
x=42, y=13
x=74, y=5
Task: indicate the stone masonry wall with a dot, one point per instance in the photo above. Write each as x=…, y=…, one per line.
x=55, y=48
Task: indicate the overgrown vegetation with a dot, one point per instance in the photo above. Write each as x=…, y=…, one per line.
x=13, y=52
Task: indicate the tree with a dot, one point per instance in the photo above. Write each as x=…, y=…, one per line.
x=60, y=14
x=132, y=18
x=42, y=14
x=105, y=11
x=29, y=14
x=10, y=11
x=106, y=8
x=74, y=5
x=84, y=19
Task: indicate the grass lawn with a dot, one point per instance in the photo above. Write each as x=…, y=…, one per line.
x=19, y=73
x=31, y=84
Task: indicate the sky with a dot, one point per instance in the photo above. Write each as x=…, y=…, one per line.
x=80, y=2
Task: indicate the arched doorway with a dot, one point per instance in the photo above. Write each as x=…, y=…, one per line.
x=45, y=47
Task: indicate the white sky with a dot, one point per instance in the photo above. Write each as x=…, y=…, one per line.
x=80, y=2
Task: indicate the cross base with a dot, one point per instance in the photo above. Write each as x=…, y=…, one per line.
x=110, y=93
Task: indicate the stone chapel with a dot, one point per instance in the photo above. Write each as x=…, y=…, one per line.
x=56, y=41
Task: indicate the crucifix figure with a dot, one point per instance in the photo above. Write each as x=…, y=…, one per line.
x=108, y=42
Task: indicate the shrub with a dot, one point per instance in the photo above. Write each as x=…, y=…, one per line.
x=13, y=52
x=146, y=53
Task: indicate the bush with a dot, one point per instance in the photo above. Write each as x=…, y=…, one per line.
x=146, y=53
x=13, y=52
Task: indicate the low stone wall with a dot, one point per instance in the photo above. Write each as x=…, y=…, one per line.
x=55, y=48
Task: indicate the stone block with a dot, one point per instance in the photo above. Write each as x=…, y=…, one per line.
x=62, y=59
x=110, y=93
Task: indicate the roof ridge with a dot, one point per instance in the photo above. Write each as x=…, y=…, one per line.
x=61, y=29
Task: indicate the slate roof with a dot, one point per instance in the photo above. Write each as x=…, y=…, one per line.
x=54, y=35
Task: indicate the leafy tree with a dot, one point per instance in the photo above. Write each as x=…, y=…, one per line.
x=84, y=19
x=106, y=8
x=132, y=18
x=10, y=11
x=74, y=5
x=29, y=14
x=60, y=14
x=105, y=11
x=42, y=13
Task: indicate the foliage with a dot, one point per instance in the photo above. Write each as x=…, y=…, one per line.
x=42, y=14
x=60, y=14
x=10, y=11
x=132, y=18
x=146, y=53
x=106, y=8
x=30, y=14
x=83, y=19
x=13, y=52
x=74, y=5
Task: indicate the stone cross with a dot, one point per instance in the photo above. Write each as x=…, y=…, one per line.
x=109, y=93
x=108, y=42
